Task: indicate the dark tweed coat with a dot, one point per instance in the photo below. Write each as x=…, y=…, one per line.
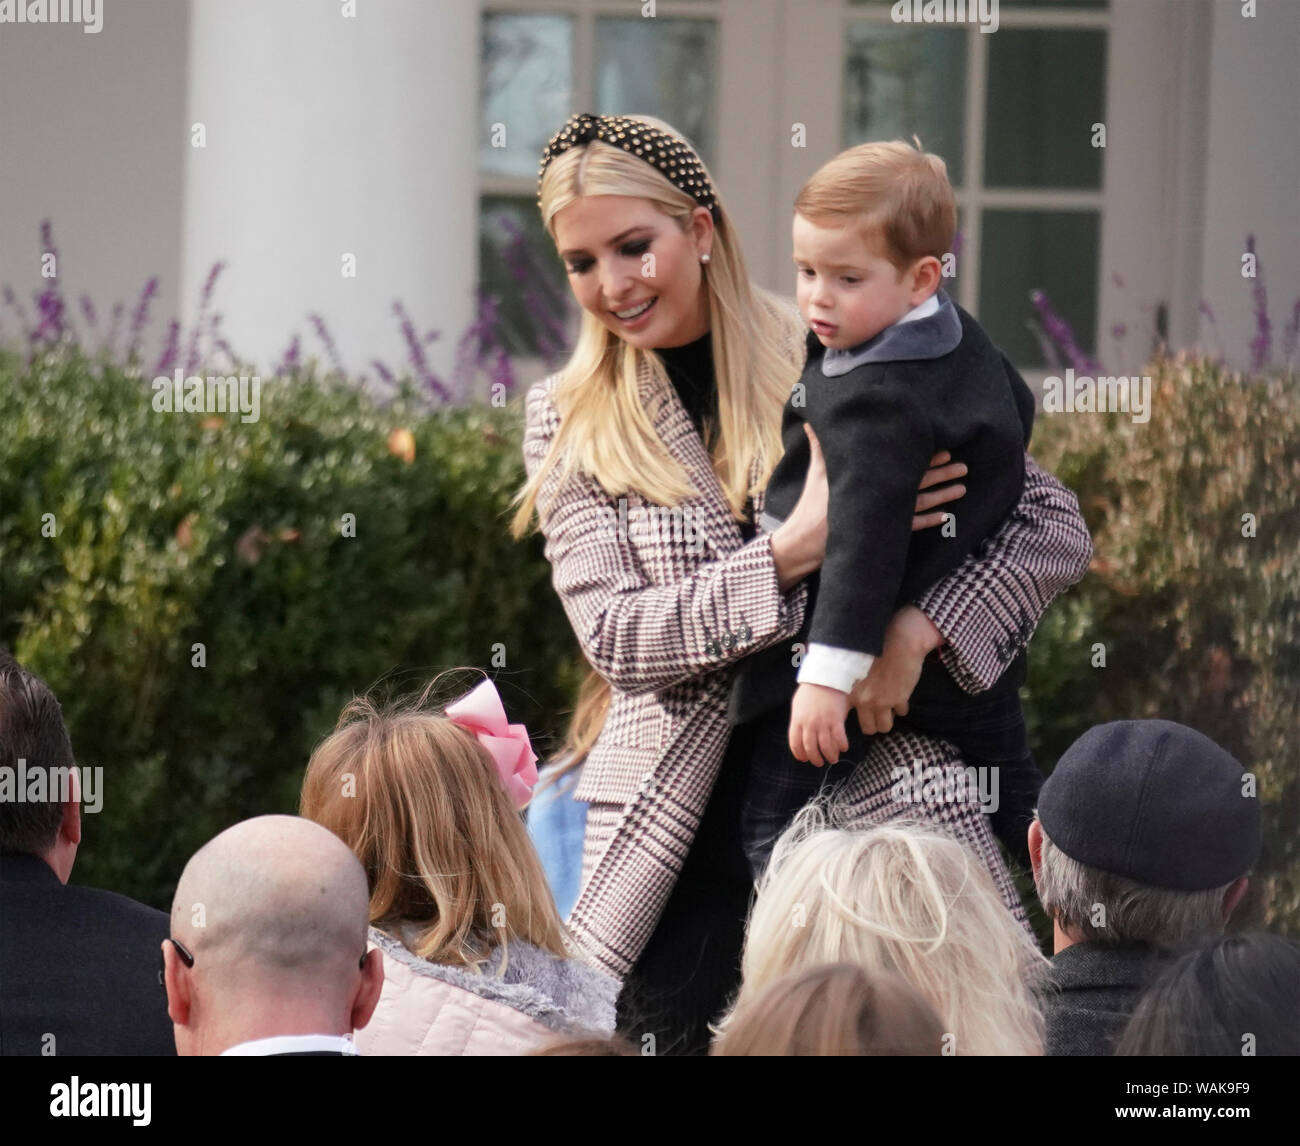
x=1091, y=994
x=665, y=622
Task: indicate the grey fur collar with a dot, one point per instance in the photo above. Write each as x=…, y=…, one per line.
x=930, y=337
x=562, y=994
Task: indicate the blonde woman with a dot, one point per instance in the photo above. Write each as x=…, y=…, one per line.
x=903, y=899
x=833, y=1010
x=647, y=456
x=475, y=957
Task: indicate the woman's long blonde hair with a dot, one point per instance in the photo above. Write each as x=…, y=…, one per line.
x=585, y=725
x=899, y=898
x=418, y=800
x=757, y=353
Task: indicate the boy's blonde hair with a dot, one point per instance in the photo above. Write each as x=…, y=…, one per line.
x=895, y=194
x=758, y=346
x=900, y=898
x=419, y=801
x=836, y=1009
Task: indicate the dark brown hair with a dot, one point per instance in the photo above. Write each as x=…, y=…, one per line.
x=1232, y=995
x=31, y=729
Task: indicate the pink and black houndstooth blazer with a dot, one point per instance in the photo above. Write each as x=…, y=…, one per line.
x=665, y=621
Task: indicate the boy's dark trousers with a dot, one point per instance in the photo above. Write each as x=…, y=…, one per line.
x=988, y=730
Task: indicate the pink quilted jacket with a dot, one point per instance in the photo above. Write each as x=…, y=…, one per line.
x=433, y=1009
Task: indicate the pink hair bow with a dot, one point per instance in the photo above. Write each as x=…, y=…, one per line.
x=482, y=713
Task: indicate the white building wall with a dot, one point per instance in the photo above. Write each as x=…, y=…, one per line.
x=330, y=135
x=1252, y=180
x=91, y=137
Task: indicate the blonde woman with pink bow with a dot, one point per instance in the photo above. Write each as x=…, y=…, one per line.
x=475, y=958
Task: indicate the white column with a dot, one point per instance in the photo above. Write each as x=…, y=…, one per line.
x=1252, y=171
x=330, y=135
x=90, y=138
x=1154, y=171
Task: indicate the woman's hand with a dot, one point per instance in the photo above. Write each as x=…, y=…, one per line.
x=942, y=469
x=799, y=542
x=885, y=690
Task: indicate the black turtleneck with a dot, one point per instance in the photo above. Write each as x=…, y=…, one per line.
x=690, y=369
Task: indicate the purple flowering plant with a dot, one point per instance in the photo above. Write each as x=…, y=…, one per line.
x=483, y=349
x=1060, y=346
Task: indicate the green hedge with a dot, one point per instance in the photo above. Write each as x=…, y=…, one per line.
x=176, y=529
x=1200, y=623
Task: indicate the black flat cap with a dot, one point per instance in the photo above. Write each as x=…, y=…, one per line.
x=1155, y=801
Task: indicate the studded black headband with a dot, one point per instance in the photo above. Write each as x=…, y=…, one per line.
x=666, y=153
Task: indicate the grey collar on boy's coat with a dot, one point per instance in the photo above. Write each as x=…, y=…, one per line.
x=932, y=335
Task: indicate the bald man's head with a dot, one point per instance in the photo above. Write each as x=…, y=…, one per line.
x=275, y=901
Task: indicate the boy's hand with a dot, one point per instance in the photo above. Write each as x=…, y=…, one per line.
x=886, y=688
x=817, y=715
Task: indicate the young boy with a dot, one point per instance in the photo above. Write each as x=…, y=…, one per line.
x=895, y=372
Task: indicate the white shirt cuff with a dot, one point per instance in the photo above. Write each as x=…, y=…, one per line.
x=834, y=667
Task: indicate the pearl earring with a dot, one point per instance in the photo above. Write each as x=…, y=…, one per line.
x=704, y=258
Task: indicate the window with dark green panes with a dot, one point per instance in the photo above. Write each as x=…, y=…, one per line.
x=661, y=67
x=522, y=278
x=532, y=81
x=1050, y=251
x=1030, y=201
x=902, y=80
x=527, y=76
x=527, y=88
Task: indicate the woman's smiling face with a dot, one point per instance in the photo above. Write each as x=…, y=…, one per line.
x=635, y=269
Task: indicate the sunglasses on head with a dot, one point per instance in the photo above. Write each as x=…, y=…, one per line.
x=187, y=958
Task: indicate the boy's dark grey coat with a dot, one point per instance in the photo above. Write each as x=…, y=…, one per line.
x=935, y=384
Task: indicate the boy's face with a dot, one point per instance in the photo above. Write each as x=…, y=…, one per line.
x=847, y=290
